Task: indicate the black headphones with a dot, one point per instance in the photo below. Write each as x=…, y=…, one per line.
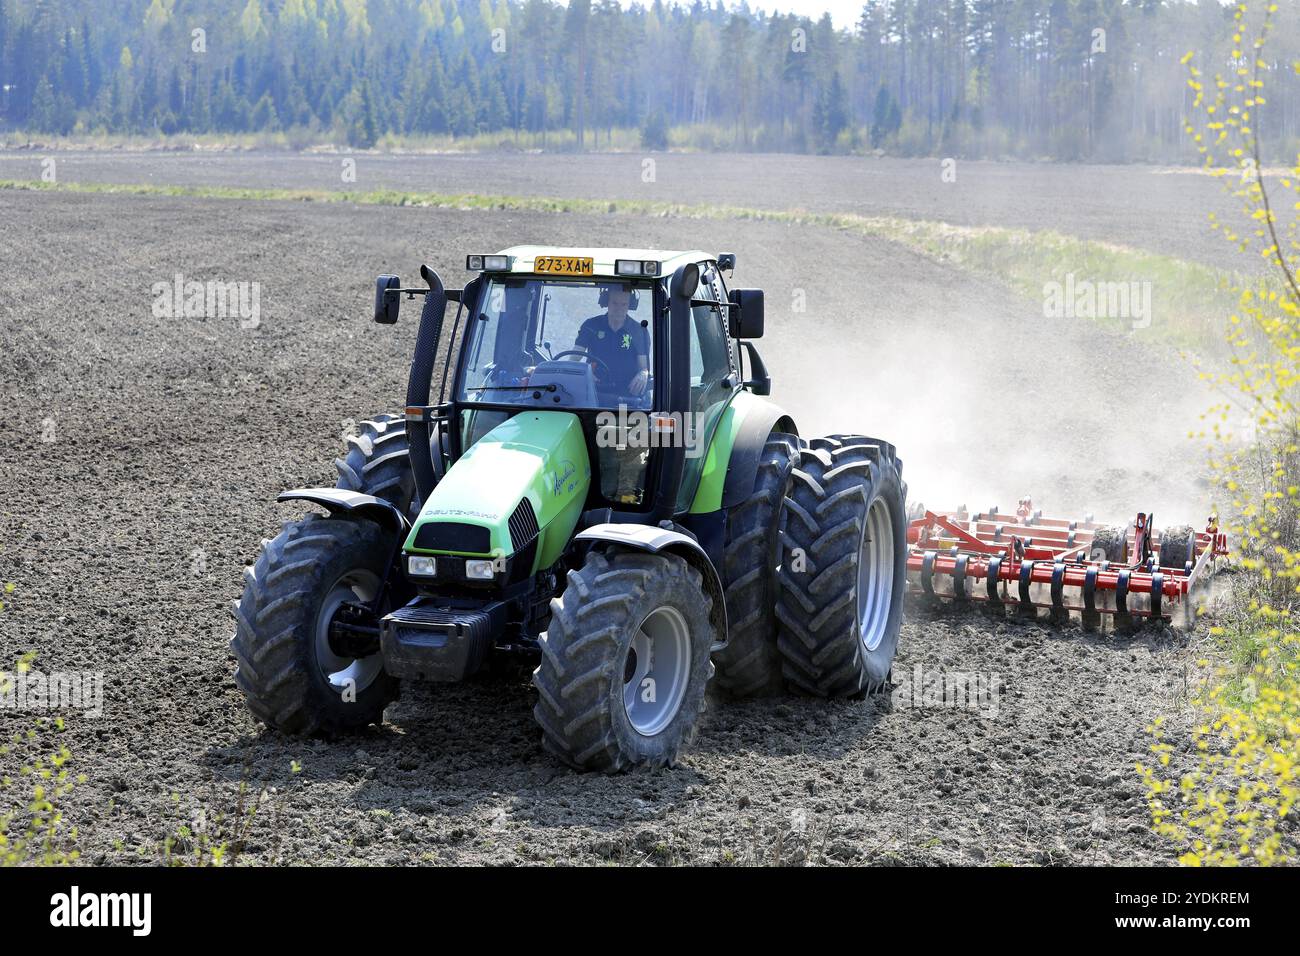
x=632, y=301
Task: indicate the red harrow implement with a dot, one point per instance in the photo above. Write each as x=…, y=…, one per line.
x=1027, y=562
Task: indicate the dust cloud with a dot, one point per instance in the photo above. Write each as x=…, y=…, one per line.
x=987, y=401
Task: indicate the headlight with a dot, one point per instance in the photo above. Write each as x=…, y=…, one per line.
x=480, y=569
x=636, y=267
x=487, y=263
x=418, y=566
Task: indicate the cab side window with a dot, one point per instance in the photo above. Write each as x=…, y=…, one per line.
x=711, y=375
x=710, y=350
x=733, y=346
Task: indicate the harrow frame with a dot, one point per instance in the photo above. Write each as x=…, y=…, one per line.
x=1027, y=561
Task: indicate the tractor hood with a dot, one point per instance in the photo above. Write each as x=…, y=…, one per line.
x=526, y=480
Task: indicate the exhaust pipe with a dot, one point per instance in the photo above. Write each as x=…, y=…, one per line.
x=420, y=382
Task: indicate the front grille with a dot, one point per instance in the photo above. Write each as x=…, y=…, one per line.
x=523, y=526
x=451, y=567
x=453, y=536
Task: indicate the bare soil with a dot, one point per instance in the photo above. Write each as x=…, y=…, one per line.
x=1157, y=208
x=146, y=453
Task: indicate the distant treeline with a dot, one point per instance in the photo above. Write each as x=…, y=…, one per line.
x=1065, y=79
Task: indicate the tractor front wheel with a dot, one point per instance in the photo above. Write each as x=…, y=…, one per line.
x=625, y=662
x=290, y=668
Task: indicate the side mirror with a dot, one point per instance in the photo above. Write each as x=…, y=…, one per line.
x=746, y=320
x=726, y=261
x=387, y=302
x=685, y=281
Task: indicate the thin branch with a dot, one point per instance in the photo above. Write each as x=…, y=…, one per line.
x=1259, y=174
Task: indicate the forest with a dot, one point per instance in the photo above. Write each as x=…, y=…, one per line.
x=1098, y=80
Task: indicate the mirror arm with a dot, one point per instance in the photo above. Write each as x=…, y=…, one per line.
x=761, y=381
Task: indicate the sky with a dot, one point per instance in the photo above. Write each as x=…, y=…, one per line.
x=844, y=13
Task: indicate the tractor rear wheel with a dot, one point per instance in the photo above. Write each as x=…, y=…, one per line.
x=289, y=670
x=750, y=664
x=625, y=662
x=843, y=567
x=378, y=462
x=1178, y=547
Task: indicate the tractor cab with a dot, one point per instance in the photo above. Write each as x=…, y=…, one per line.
x=586, y=331
x=582, y=345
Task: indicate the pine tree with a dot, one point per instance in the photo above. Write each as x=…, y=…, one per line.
x=832, y=113
x=199, y=118
x=43, y=113
x=362, y=131
x=94, y=73
x=73, y=77
x=576, y=33
x=880, y=117
x=264, y=117
x=654, y=134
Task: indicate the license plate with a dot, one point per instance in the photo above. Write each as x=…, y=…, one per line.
x=564, y=265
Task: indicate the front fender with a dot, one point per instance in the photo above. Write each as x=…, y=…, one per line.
x=653, y=540
x=339, y=501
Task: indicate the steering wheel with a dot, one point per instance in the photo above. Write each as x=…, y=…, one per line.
x=608, y=373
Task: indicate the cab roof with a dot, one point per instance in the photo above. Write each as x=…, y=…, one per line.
x=603, y=258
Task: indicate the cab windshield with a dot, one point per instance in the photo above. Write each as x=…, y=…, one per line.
x=560, y=344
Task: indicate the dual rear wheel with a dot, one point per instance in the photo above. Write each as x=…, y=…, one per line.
x=843, y=567
x=814, y=570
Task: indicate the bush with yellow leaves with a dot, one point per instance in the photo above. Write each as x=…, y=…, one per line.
x=32, y=825
x=1238, y=802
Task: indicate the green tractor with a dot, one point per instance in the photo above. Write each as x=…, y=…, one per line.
x=600, y=491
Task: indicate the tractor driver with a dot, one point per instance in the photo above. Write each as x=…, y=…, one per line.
x=619, y=348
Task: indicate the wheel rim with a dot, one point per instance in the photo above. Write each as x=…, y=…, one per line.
x=875, y=575
x=660, y=653
x=339, y=672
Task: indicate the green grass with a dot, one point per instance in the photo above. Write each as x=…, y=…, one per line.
x=331, y=140
x=1190, y=301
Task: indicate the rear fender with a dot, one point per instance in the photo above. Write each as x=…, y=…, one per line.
x=751, y=439
x=735, y=450
x=338, y=501
x=653, y=540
